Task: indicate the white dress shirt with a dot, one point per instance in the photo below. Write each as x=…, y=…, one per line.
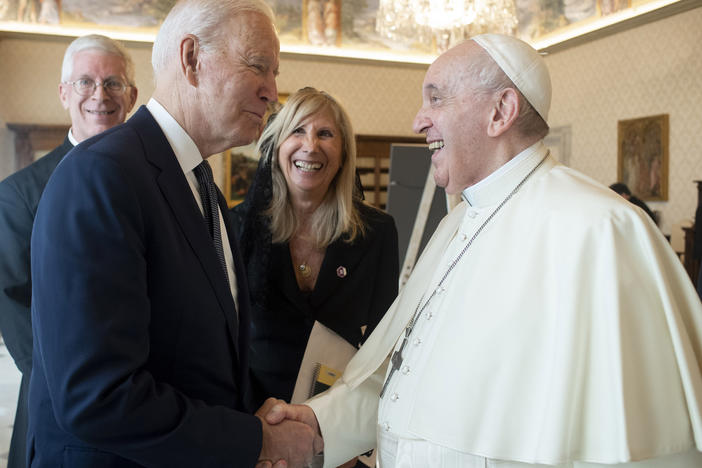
x=71, y=138
x=189, y=157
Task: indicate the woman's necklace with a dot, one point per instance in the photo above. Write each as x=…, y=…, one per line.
x=304, y=269
x=304, y=255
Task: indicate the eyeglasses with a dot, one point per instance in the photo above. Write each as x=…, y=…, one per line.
x=87, y=86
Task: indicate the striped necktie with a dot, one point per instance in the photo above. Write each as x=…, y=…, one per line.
x=208, y=196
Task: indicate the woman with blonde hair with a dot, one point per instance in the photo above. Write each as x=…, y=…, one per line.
x=314, y=251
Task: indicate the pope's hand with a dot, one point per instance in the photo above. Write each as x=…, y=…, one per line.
x=281, y=411
x=287, y=441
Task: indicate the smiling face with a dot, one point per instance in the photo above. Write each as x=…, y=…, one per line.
x=237, y=82
x=311, y=156
x=454, y=117
x=99, y=111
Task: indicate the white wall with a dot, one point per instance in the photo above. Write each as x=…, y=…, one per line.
x=649, y=70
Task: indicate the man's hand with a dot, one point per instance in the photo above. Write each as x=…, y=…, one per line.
x=286, y=442
x=281, y=411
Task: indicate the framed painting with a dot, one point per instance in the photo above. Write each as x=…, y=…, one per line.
x=643, y=156
x=239, y=168
x=240, y=164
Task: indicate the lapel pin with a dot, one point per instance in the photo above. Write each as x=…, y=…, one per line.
x=341, y=272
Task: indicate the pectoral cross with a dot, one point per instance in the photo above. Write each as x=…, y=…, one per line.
x=396, y=358
x=396, y=361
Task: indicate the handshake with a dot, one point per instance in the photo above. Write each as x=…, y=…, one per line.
x=291, y=436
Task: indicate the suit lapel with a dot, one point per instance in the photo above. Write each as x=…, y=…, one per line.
x=178, y=195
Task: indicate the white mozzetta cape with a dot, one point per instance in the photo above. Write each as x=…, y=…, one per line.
x=574, y=335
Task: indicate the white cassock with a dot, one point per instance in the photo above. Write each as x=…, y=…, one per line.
x=569, y=334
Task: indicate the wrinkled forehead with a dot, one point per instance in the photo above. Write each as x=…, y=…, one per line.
x=98, y=62
x=449, y=71
x=254, y=29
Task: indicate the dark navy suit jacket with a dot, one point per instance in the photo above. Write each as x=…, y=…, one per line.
x=19, y=198
x=139, y=357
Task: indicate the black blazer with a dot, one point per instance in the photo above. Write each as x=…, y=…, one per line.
x=138, y=359
x=343, y=300
x=19, y=197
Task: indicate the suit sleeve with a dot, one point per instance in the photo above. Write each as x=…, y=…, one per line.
x=386, y=280
x=16, y=219
x=91, y=312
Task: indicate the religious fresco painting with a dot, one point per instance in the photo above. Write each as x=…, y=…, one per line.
x=542, y=17
x=111, y=13
x=643, y=156
x=321, y=24
x=325, y=25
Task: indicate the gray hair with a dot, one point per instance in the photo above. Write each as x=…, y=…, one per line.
x=205, y=19
x=489, y=78
x=100, y=43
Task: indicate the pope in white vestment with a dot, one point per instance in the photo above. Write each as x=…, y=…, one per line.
x=566, y=331
x=569, y=331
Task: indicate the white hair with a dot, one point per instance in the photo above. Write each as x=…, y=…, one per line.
x=100, y=43
x=205, y=19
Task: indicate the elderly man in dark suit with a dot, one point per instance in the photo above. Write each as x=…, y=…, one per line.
x=97, y=88
x=140, y=310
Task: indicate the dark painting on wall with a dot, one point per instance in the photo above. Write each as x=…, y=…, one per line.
x=240, y=168
x=240, y=163
x=643, y=156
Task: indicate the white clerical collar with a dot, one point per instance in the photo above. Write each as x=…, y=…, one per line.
x=494, y=187
x=184, y=147
x=71, y=138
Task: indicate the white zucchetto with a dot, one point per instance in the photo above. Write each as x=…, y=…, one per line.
x=523, y=65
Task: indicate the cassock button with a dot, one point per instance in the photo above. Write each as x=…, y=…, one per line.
x=394, y=397
x=405, y=370
x=472, y=214
x=417, y=341
x=341, y=272
x=386, y=426
x=463, y=237
x=430, y=315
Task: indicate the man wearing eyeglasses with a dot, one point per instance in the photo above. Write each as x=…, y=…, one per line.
x=97, y=85
x=97, y=88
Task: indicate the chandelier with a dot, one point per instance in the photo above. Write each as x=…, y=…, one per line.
x=439, y=24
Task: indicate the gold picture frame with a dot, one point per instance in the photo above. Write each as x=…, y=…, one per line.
x=240, y=164
x=239, y=169
x=642, y=162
